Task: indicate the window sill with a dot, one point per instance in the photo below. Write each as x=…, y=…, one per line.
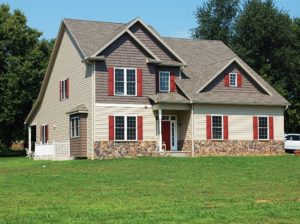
x=75, y=137
x=124, y=141
x=123, y=95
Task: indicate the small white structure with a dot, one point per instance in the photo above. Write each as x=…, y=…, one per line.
x=52, y=151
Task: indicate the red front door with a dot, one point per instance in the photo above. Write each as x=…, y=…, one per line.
x=165, y=129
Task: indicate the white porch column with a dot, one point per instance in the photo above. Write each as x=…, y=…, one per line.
x=29, y=139
x=159, y=124
x=193, y=132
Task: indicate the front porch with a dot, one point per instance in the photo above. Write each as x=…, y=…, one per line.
x=174, y=128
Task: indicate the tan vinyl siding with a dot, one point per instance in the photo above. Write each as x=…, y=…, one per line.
x=240, y=120
x=52, y=111
x=152, y=43
x=124, y=53
x=248, y=84
x=103, y=111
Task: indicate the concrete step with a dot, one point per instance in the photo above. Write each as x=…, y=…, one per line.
x=178, y=153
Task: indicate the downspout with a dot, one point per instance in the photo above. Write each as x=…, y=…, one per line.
x=193, y=131
x=93, y=110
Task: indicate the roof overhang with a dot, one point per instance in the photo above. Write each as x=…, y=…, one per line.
x=37, y=103
x=171, y=106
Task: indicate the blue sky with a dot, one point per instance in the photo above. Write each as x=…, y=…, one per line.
x=171, y=18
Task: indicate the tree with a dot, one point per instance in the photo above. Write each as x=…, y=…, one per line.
x=268, y=40
x=215, y=20
x=23, y=60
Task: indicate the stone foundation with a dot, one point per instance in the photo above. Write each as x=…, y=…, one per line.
x=110, y=149
x=241, y=147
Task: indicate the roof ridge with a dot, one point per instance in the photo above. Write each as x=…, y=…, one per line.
x=189, y=39
x=95, y=21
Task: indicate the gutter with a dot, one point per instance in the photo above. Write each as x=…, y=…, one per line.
x=90, y=59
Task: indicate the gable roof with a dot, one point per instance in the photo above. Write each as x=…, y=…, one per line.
x=94, y=37
x=206, y=58
x=225, y=67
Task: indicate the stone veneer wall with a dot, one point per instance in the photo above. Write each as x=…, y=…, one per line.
x=238, y=147
x=110, y=149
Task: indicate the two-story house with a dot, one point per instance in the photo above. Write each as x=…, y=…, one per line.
x=114, y=89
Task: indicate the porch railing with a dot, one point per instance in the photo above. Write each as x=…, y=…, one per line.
x=56, y=149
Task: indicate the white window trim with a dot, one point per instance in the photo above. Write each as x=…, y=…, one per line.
x=268, y=128
x=125, y=127
x=125, y=81
x=164, y=91
x=78, y=134
x=211, y=120
x=233, y=73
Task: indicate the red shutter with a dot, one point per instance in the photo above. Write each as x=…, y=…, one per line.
x=67, y=88
x=239, y=80
x=140, y=127
x=208, y=127
x=157, y=82
x=47, y=133
x=255, y=130
x=225, y=127
x=271, y=128
x=172, y=82
x=139, y=82
x=60, y=90
x=111, y=128
x=110, y=81
x=226, y=80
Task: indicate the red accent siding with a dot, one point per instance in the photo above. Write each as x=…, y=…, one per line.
x=226, y=80
x=139, y=82
x=255, y=130
x=208, y=127
x=67, y=88
x=172, y=82
x=140, y=127
x=60, y=93
x=271, y=128
x=47, y=133
x=110, y=81
x=225, y=127
x=111, y=128
x=239, y=80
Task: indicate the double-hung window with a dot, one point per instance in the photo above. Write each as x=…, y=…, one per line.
x=263, y=128
x=217, y=127
x=75, y=127
x=125, y=81
x=233, y=79
x=164, y=81
x=125, y=128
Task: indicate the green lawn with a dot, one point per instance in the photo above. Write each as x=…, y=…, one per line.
x=151, y=190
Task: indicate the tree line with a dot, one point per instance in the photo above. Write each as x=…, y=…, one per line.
x=266, y=37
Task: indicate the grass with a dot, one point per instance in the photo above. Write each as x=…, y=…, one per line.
x=151, y=190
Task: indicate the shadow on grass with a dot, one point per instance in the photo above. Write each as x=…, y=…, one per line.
x=12, y=153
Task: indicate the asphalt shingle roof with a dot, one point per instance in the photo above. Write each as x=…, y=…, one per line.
x=205, y=58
